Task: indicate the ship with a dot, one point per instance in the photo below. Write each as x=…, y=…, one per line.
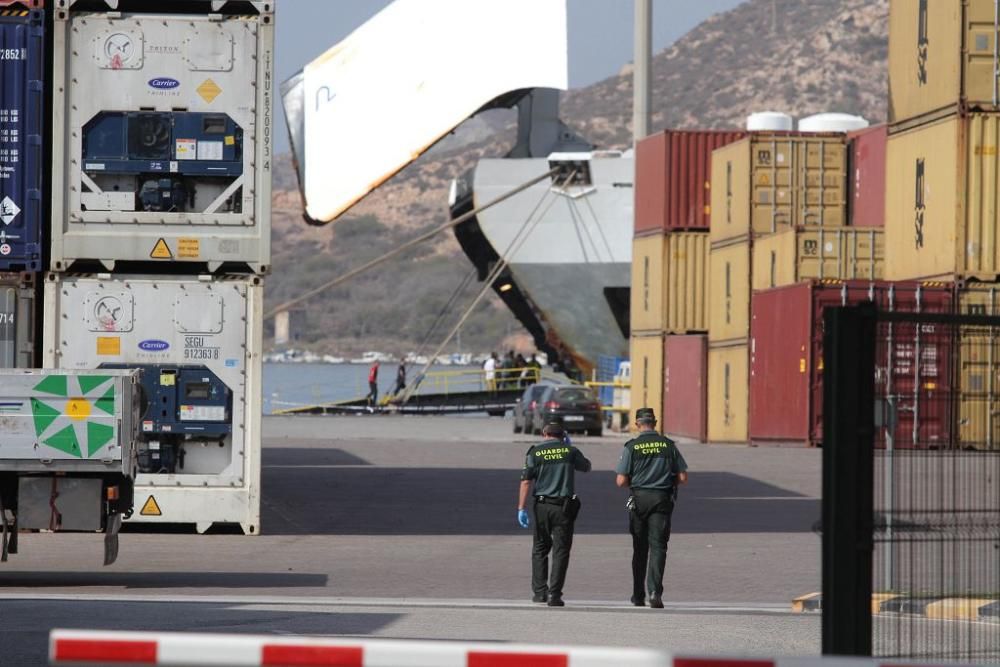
x=568, y=250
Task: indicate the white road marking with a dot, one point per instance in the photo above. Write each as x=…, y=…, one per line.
x=413, y=603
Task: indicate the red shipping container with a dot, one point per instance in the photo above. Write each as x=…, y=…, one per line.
x=685, y=386
x=786, y=361
x=673, y=170
x=866, y=166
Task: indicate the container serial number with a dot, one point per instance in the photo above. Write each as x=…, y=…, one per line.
x=202, y=353
x=12, y=54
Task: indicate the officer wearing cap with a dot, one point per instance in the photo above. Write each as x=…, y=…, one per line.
x=651, y=466
x=551, y=465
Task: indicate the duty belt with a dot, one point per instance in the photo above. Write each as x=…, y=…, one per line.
x=553, y=500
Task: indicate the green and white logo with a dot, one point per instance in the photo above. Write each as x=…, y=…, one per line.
x=75, y=418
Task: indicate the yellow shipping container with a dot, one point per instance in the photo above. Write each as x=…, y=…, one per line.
x=728, y=393
x=844, y=253
x=779, y=181
x=941, y=53
x=941, y=203
x=979, y=372
x=729, y=291
x=648, y=300
x=687, y=282
x=646, y=355
x=669, y=276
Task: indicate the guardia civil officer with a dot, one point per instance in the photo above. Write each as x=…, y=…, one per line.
x=551, y=465
x=651, y=466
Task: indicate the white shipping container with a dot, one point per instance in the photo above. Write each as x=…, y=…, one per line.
x=198, y=341
x=162, y=136
x=20, y=297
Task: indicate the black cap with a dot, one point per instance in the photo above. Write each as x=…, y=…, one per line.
x=645, y=414
x=554, y=426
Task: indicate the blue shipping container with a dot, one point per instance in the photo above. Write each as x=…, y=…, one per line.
x=607, y=368
x=22, y=109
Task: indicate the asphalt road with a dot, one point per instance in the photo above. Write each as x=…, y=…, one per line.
x=405, y=527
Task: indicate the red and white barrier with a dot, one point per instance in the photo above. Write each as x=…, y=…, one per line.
x=77, y=647
x=121, y=649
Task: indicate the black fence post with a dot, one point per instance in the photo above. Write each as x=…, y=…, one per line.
x=848, y=477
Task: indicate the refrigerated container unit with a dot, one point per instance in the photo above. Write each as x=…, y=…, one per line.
x=942, y=219
x=672, y=179
x=22, y=130
x=669, y=283
x=769, y=182
x=729, y=290
x=646, y=364
x=914, y=365
x=866, y=176
x=20, y=310
x=171, y=164
x=824, y=253
x=728, y=391
x=197, y=341
x=942, y=59
x=685, y=386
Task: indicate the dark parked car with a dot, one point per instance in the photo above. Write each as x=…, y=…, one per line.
x=526, y=408
x=577, y=406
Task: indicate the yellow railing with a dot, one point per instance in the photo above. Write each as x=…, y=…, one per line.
x=616, y=385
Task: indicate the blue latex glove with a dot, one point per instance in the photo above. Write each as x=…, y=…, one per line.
x=522, y=518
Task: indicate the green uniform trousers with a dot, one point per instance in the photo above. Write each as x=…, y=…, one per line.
x=553, y=532
x=649, y=524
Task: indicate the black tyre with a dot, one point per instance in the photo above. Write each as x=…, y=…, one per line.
x=595, y=432
x=495, y=413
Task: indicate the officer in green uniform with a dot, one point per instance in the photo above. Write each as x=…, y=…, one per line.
x=551, y=465
x=652, y=467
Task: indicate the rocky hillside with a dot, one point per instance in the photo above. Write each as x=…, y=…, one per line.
x=798, y=56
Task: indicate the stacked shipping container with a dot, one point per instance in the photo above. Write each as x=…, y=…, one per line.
x=670, y=268
x=780, y=203
x=164, y=180
x=786, y=360
x=23, y=134
x=942, y=167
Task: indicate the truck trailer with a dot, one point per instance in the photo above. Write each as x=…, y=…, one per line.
x=67, y=452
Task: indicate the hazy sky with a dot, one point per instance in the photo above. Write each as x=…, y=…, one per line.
x=600, y=33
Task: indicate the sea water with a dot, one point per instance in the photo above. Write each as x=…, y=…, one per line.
x=296, y=385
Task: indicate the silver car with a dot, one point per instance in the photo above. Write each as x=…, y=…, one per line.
x=526, y=408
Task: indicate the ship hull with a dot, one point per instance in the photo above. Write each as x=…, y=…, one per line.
x=568, y=252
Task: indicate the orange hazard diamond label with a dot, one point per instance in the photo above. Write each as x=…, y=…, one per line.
x=161, y=251
x=150, y=508
x=208, y=90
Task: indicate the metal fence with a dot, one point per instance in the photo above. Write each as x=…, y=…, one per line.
x=912, y=488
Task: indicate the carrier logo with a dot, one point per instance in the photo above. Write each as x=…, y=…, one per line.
x=922, y=43
x=154, y=345
x=919, y=205
x=164, y=83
